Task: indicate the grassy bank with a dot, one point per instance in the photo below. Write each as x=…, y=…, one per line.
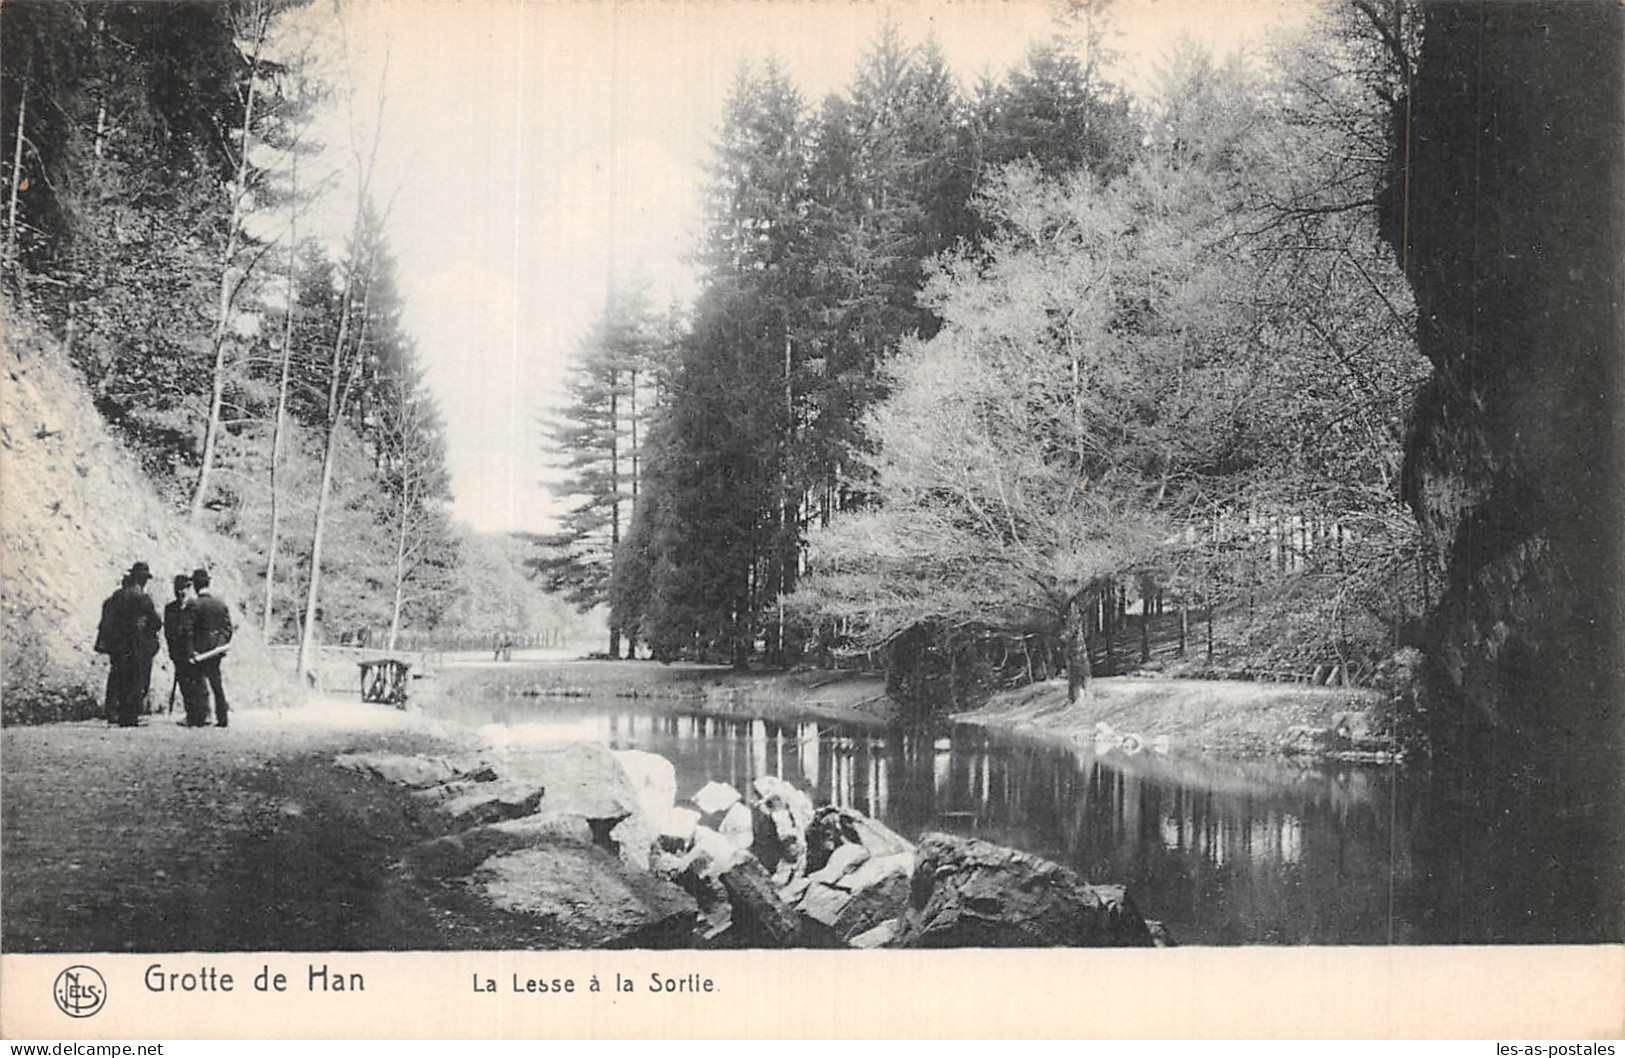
x=1232, y=717
x=1212, y=716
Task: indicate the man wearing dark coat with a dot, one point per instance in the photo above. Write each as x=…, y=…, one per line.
x=179, y=617
x=211, y=637
x=128, y=635
x=104, y=634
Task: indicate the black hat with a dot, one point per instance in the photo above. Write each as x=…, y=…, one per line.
x=140, y=572
x=200, y=577
x=182, y=581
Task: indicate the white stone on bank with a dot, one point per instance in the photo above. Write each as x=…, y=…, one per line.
x=715, y=797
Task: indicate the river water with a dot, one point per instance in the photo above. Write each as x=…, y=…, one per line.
x=1224, y=852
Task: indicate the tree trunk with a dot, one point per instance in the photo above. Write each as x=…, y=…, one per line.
x=17, y=168
x=336, y=399
x=615, y=503
x=230, y=284
x=337, y=391
x=400, y=569
x=307, y=639
x=1210, y=629
x=216, y=389
x=280, y=423
x=744, y=629
x=788, y=542
x=275, y=541
x=1109, y=624
x=740, y=647
x=1184, y=627
x=1077, y=653
x=1145, y=631
x=632, y=417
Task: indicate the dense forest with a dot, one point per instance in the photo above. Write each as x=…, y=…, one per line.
x=985, y=384
x=162, y=163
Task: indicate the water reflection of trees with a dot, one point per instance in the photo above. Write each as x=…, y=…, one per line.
x=1226, y=852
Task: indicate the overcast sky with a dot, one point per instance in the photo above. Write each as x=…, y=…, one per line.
x=523, y=139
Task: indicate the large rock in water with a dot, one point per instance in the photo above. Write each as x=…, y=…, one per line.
x=782, y=816
x=968, y=893
x=832, y=827
x=582, y=778
x=590, y=896
x=491, y=802
x=653, y=779
x=758, y=913
x=847, y=913
x=414, y=770
x=714, y=798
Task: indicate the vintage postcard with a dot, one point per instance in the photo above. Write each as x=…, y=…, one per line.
x=707, y=518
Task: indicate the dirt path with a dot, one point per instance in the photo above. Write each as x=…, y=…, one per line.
x=170, y=839
x=165, y=838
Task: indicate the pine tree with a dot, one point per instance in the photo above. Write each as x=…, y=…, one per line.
x=1059, y=111
x=600, y=433
x=704, y=526
x=733, y=439
x=890, y=190
x=345, y=354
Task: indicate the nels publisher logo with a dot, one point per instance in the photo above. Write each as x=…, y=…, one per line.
x=79, y=991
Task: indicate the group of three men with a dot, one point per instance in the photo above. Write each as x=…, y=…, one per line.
x=197, y=631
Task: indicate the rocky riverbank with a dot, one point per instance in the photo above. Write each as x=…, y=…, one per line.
x=338, y=826
x=577, y=835
x=348, y=826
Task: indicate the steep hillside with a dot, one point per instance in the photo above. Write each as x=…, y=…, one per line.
x=76, y=512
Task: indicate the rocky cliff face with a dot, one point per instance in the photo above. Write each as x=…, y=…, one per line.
x=1514, y=224
x=75, y=512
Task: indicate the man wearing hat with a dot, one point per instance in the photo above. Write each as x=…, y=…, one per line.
x=179, y=617
x=211, y=638
x=128, y=635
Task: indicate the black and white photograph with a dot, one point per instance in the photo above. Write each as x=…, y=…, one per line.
x=714, y=476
